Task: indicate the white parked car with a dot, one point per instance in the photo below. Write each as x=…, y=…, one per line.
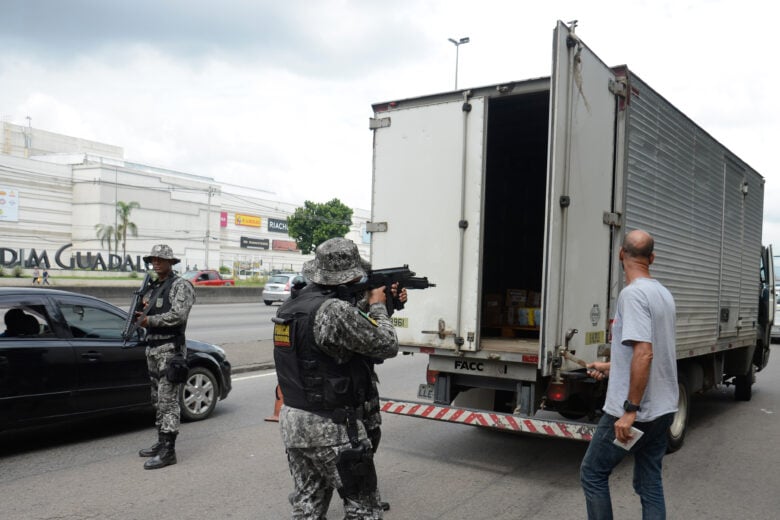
x=280, y=285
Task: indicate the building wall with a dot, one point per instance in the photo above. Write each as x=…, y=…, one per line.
x=63, y=196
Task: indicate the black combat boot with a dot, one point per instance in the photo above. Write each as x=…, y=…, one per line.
x=167, y=454
x=154, y=449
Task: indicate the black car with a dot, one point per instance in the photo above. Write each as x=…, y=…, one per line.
x=62, y=356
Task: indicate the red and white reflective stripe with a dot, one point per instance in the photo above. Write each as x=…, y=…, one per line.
x=503, y=421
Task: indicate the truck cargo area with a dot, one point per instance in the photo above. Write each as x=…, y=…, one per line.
x=514, y=212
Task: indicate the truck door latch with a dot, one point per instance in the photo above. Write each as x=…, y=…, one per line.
x=442, y=332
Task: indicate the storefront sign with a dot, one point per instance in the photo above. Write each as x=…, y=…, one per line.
x=223, y=219
x=69, y=260
x=248, y=220
x=277, y=225
x=284, y=245
x=254, y=243
x=9, y=204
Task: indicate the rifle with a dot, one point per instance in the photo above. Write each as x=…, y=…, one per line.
x=137, y=305
x=385, y=277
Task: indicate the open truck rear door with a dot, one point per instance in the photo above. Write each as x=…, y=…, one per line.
x=428, y=169
x=579, y=206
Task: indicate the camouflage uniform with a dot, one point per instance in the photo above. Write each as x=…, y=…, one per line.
x=165, y=395
x=166, y=322
x=313, y=442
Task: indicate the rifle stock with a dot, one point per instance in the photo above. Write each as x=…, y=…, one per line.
x=137, y=305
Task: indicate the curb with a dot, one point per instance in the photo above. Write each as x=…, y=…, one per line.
x=254, y=367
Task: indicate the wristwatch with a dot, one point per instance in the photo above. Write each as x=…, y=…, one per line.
x=630, y=407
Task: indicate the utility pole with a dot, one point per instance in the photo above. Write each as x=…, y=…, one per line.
x=208, y=228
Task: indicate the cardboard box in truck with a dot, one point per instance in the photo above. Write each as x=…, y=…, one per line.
x=601, y=152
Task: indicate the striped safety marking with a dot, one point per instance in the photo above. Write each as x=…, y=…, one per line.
x=503, y=421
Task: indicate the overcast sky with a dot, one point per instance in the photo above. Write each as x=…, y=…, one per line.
x=277, y=95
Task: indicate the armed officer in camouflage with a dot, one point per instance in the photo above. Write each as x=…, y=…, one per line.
x=165, y=318
x=323, y=349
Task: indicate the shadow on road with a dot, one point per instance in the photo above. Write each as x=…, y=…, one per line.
x=72, y=431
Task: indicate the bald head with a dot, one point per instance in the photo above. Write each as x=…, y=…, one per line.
x=638, y=244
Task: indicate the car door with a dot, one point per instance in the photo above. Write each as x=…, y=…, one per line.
x=110, y=374
x=37, y=364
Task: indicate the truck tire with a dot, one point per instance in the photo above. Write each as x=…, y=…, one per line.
x=676, y=433
x=743, y=385
x=267, y=302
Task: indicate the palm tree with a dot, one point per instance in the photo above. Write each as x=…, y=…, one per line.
x=107, y=233
x=123, y=210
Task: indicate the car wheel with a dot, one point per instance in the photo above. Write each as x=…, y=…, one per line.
x=267, y=302
x=198, y=394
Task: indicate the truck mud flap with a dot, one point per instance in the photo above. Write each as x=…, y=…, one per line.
x=500, y=421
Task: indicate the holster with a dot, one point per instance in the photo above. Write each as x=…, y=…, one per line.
x=356, y=463
x=177, y=370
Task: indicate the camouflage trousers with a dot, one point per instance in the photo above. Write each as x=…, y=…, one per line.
x=315, y=476
x=165, y=395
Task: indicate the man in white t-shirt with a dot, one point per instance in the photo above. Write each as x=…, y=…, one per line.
x=642, y=390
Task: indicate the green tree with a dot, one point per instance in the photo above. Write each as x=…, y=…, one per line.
x=123, y=210
x=315, y=223
x=106, y=234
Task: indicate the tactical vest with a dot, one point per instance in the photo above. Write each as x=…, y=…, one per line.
x=161, y=305
x=310, y=379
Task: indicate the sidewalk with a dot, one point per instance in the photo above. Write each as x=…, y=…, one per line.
x=250, y=356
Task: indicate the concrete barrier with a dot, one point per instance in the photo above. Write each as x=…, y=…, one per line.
x=122, y=296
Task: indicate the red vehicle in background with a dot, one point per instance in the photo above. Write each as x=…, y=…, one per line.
x=208, y=277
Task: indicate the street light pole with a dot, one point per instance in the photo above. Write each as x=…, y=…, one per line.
x=457, y=44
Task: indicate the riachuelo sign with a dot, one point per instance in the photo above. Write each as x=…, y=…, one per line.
x=69, y=260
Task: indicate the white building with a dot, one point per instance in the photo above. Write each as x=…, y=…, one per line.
x=55, y=190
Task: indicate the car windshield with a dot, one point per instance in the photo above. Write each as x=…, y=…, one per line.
x=190, y=275
x=279, y=278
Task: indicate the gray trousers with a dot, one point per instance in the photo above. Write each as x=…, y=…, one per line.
x=165, y=395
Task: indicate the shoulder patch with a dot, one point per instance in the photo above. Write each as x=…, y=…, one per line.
x=369, y=318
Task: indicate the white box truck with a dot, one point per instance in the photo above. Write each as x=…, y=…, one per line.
x=514, y=198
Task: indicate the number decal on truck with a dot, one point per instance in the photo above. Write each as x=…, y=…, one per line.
x=401, y=322
x=595, y=337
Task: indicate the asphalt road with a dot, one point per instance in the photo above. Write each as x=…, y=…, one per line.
x=227, y=323
x=232, y=466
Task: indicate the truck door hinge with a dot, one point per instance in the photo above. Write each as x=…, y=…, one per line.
x=613, y=220
x=376, y=227
x=378, y=122
x=618, y=87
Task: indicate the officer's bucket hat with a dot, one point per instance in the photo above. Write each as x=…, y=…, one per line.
x=336, y=261
x=163, y=251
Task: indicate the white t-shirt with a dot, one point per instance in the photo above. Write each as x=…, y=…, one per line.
x=645, y=313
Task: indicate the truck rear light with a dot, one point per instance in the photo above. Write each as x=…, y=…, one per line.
x=431, y=376
x=287, y=286
x=557, y=392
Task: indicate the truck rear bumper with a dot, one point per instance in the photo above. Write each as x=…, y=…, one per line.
x=485, y=419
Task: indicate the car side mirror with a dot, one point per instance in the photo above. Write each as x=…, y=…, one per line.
x=79, y=310
x=139, y=339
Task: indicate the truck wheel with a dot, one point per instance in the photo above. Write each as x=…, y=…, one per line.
x=267, y=302
x=676, y=434
x=743, y=385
